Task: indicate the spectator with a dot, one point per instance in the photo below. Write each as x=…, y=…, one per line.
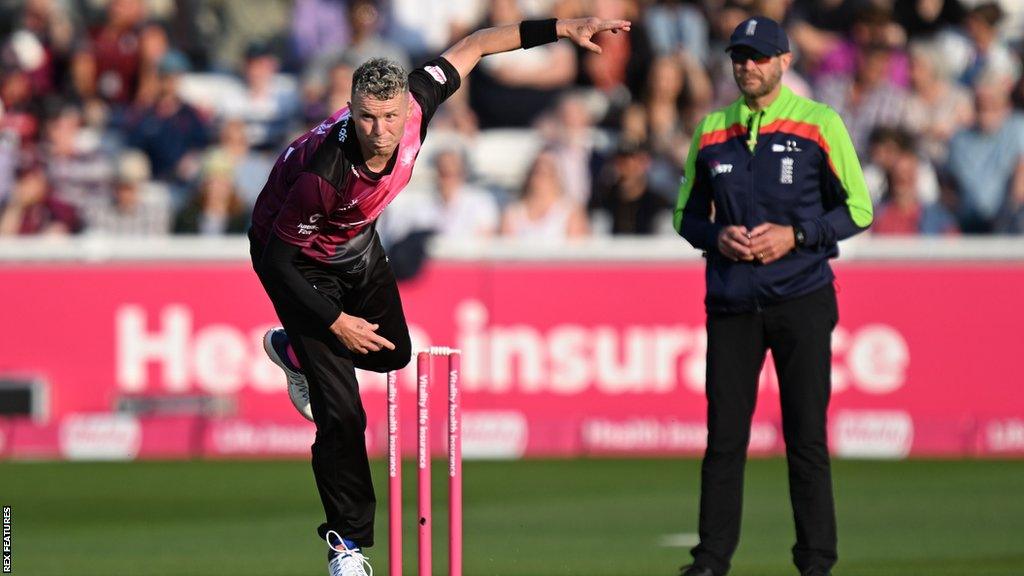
x=250, y=167
x=620, y=70
x=426, y=27
x=138, y=207
x=268, y=104
x=902, y=211
x=887, y=146
x=153, y=46
x=458, y=210
x=216, y=209
x=79, y=169
x=868, y=99
x=24, y=51
x=324, y=94
x=31, y=208
x=21, y=109
x=872, y=25
x=924, y=19
x=1011, y=217
x=336, y=60
x=462, y=210
x=169, y=131
x=364, y=20
x=634, y=124
x=9, y=145
x=508, y=90
x=678, y=95
x=981, y=49
x=624, y=197
x=677, y=28
x=55, y=31
x=984, y=159
x=830, y=17
x=236, y=25
x=318, y=27
x=936, y=108
x=543, y=211
x=114, y=49
x=572, y=138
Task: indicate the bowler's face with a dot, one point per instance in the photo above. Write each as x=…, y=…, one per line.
x=380, y=124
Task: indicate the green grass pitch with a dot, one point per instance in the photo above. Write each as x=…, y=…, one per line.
x=531, y=518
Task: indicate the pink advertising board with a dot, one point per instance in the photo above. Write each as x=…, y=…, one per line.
x=559, y=359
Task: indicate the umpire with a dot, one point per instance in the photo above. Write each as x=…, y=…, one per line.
x=772, y=183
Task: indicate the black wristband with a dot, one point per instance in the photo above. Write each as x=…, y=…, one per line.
x=536, y=32
x=799, y=236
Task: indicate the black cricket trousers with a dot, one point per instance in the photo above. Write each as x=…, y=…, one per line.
x=340, y=464
x=799, y=334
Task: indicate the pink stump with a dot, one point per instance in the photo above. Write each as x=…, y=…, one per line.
x=394, y=480
x=454, y=467
x=423, y=456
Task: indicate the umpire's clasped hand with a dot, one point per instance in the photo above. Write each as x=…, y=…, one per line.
x=734, y=243
x=765, y=243
x=769, y=242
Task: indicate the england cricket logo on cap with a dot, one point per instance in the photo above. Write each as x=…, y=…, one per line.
x=751, y=27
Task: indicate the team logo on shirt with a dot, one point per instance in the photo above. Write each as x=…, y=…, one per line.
x=436, y=73
x=786, y=174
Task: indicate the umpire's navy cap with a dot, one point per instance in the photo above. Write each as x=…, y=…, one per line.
x=762, y=34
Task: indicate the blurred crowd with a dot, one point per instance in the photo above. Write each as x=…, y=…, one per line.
x=156, y=117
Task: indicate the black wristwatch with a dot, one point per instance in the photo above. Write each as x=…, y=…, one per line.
x=798, y=234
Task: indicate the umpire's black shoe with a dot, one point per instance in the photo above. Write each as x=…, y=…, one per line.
x=693, y=570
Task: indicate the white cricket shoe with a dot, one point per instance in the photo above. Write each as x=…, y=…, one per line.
x=275, y=343
x=345, y=561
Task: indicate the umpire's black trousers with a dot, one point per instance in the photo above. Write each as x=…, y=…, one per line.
x=798, y=332
x=340, y=464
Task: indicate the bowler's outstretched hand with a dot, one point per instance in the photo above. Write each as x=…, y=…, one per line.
x=581, y=30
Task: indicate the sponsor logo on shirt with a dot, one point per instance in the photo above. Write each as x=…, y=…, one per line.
x=789, y=146
x=717, y=168
x=314, y=218
x=307, y=229
x=786, y=175
x=437, y=74
x=324, y=127
x=408, y=156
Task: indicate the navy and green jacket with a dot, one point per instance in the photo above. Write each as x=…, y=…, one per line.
x=803, y=170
